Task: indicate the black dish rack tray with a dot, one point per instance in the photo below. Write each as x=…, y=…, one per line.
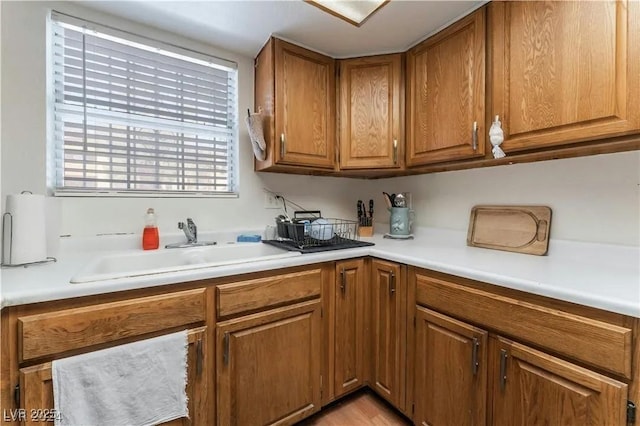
x=292, y=246
x=309, y=232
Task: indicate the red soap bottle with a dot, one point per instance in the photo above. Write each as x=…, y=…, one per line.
x=150, y=235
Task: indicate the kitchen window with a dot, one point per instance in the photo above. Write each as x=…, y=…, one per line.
x=132, y=116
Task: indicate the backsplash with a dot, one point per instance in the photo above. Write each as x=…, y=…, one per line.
x=89, y=216
x=593, y=199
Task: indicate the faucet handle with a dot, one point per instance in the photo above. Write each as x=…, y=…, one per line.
x=192, y=228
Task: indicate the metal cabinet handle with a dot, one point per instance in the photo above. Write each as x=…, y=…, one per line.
x=199, y=356
x=395, y=151
x=392, y=283
x=474, y=136
x=503, y=369
x=225, y=353
x=282, y=141
x=343, y=282
x=474, y=356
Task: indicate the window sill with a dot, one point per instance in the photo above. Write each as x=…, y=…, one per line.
x=144, y=194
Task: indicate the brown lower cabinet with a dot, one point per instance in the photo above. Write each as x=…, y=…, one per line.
x=36, y=387
x=534, y=388
x=348, y=297
x=441, y=349
x=469, y=371
x=450, y=371
x=269, y=366
x=388, y=325
x=528, y=387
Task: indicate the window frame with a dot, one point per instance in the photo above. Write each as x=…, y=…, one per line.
x=52, y=145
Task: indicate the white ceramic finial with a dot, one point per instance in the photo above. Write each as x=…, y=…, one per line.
x=496, y=136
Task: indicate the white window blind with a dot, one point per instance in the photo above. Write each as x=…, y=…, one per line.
x=134, y=118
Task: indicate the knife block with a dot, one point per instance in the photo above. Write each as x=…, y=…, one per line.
x=366, y=231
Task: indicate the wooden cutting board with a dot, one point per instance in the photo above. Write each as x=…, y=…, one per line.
x=522, y=229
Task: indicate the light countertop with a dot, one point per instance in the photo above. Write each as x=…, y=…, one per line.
x=598, y=275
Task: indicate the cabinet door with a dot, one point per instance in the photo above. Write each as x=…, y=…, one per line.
x=564, y=72
x=269, y=366
x=446, y=94
x=388, y=311
x=305, y=107
x=348, y=338
x=532, y=388
x=36, y=386
x=371, y=97
x=450, y=385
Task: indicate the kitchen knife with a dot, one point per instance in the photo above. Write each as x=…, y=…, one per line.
x=360, y=211
x=370, y=221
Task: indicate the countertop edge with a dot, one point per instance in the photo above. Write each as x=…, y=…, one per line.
x=621, y=305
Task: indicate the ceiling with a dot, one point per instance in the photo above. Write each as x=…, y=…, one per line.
x=244, y=26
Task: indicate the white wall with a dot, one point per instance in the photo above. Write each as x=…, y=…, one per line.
x=1, y=102
x=24, y=133
x=592, y=198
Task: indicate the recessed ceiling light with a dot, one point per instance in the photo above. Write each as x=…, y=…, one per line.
x=355, y=12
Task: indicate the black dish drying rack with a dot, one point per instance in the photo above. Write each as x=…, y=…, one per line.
x=292, y=246
x=309, y=232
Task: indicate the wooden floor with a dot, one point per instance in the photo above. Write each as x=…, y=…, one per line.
x=362, y=408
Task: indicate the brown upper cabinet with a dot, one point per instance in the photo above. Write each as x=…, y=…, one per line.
x=564, y=72
x=563, y=78
x=295, y=89
x=371, y=105
x=446, y=94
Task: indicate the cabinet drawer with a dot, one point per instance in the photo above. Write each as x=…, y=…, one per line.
x=591, y=341
x=51, y=333
x=258, y=294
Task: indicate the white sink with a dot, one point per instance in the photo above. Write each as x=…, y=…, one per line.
x=134, y=264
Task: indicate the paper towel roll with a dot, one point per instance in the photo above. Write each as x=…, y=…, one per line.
x=52, y=224
x=28, y=230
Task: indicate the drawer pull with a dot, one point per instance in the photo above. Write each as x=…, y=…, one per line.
x=199, y=358
x=282, y=148
x=474, y=356
x=395, y=151
x=225, y=353
x=503, y=369
x=474, y=136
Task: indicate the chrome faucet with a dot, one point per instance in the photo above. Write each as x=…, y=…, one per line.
x=190, y=231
